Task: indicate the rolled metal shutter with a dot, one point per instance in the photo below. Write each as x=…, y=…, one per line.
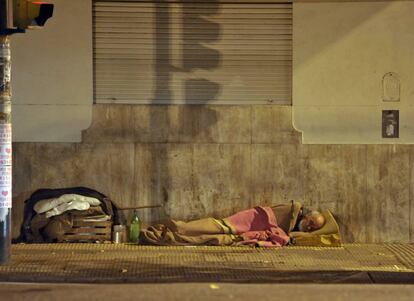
x=195, y=53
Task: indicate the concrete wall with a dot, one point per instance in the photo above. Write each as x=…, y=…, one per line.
x=199, y=161
x=52, y=76
x=341, y=53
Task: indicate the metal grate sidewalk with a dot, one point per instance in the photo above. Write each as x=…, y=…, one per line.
x=107, y=263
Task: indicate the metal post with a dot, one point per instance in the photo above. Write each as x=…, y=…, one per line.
x=5, y=149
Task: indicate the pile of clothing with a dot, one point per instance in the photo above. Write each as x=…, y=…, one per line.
x=50, y=213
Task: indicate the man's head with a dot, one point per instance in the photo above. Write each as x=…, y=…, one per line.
x=311, y=221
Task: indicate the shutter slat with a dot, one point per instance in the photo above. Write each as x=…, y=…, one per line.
x=130, y=45
x=145, y=64
x=194, y=27
x=139, y=21
x=234, y=40
x=100, y=3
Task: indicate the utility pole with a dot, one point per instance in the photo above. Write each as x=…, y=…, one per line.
x=15, y=17
x=5, y=135
x=5, y=149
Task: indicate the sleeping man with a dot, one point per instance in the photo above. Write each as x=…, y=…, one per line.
x=311, y=221
x=260, y=226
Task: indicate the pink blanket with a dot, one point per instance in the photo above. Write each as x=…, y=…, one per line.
x=257, y=226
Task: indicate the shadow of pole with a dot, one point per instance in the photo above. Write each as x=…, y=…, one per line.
x=196, y=32
x=158, y=113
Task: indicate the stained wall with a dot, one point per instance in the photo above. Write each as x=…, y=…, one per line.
x=199, y=161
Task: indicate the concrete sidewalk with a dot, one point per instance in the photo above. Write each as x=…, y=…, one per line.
x=108, y=263
x=205, y=291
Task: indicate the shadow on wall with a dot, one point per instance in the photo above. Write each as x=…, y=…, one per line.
x=197, y=32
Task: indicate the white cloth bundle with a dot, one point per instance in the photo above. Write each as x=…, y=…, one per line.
x=75, y=205
x=64, y=203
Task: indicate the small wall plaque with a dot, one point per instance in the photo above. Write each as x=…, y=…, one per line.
x=390, y=124
x=391, y=87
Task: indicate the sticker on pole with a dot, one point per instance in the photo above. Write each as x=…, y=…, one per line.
x=5, y=187
x=5, y=199
x=5, y=155
x=5, y=133
x=5, y=166
x=5, y=144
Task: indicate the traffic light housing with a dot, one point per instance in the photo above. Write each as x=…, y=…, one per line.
x=31, y=14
